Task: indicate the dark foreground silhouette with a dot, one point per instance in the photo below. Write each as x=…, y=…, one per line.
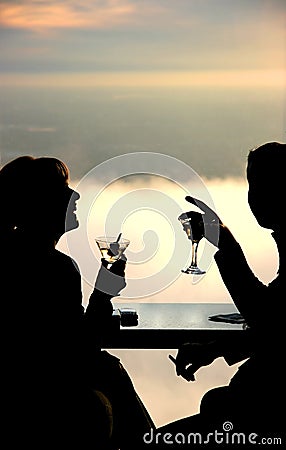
x=253, y=402
x=59, y=390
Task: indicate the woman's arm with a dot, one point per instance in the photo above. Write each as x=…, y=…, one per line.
x=109, y=283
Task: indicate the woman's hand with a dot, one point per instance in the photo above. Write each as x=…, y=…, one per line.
x=111, y=281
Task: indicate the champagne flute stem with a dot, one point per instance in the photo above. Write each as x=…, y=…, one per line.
x=194, y=253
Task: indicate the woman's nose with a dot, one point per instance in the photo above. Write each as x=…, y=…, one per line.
x=76, y=196
x=73, y=195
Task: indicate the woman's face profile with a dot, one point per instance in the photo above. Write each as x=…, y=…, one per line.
x=71, y=220
x=59, y=211
x=55, y=206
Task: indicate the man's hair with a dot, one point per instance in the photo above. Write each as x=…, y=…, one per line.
x=268, y=160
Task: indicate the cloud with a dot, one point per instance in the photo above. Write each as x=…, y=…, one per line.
x=142, y=35
x=40, y=15
x=53, y=14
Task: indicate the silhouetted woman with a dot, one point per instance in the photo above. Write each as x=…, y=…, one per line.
x=59, y=388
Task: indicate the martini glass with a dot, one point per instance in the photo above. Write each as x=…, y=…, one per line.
x=112, y=247
x=193, y=226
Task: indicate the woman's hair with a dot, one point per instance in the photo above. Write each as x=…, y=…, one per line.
x=27, y=186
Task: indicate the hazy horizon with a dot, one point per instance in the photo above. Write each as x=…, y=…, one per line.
x=210, y=129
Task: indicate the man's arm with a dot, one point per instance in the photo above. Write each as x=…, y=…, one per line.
x=192, y=356
x=246, y=290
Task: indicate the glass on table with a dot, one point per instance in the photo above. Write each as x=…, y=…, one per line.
x=193, y=226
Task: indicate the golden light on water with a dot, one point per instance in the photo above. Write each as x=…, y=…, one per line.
x=159, y=79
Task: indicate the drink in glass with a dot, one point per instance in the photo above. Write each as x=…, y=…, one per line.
x=193, y=226
x=112, y=247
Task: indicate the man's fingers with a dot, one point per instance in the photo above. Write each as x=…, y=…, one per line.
x=205, y=208
x=186, y=371
x=196, y=202
x=188, y=376
x=189, y=373
x=171, y=357
x=210, y=215
x=179, y=367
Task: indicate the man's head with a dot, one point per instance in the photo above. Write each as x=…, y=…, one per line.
x=266, y=174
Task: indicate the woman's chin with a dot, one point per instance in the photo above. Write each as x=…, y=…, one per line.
x=71, y=223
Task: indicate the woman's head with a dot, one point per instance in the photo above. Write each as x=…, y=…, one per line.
x=35, y=196
x=266, y=170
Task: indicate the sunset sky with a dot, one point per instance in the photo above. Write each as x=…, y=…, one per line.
x=142, y=42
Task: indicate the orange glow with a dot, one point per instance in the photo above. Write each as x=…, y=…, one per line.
x=43, y=16
x=239, y=78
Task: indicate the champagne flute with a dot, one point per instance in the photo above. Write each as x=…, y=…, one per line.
x=193, y=226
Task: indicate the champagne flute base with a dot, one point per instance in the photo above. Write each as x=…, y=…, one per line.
x=193, y=270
